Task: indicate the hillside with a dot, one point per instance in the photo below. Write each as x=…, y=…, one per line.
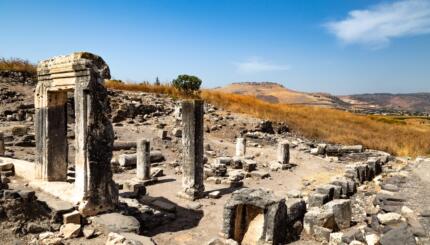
x=276, y=93
x=414, y=102
x=367, y=103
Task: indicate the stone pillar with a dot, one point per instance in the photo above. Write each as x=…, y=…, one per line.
x=240, y=147
x=192, y=140
x=2, y=150
x=143, y=167
x=283, y=152
x=51, y=136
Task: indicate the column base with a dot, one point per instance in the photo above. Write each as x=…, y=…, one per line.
x=190, y=194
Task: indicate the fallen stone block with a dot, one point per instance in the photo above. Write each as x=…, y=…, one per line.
x=327, y=190
x=398, y=236
x=342, y=211
x=321, y=234
x=260, y=174
x=70, y=230
x=249, y=165
x=317, y=199
x=318, y=217
x=72, y=218
x=389, y=218
x=352, y=234
x=130, y=160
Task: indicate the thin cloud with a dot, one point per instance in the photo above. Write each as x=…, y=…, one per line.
x=379, y=24
x=256, y=65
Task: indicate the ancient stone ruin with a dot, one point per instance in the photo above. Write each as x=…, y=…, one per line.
x=255, y=216
x=192, y=140
x=83, y=74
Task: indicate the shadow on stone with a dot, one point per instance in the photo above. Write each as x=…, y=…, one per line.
x=185, y=218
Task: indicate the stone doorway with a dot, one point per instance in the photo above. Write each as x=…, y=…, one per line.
x=83, y=74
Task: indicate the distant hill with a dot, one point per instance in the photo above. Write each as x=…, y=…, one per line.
x=368, y=103
x=276, y=93
x=414, y=102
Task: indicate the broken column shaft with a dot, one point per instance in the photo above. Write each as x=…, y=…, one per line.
x=192, y=140
x=240, y=147
x=283, y=152
x=143, y=168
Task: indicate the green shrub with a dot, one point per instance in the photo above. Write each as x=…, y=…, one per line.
x=187, y=83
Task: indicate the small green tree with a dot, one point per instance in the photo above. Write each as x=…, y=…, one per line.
x=157, y=81
x=187, y=83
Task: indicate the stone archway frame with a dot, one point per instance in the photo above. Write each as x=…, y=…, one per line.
x=84, y=74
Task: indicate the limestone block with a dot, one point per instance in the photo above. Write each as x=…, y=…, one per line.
x=342, y=211
x=72, y=218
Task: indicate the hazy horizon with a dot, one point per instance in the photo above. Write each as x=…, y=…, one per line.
x=337, y=47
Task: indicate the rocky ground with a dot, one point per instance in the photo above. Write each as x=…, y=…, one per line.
x=159, y=216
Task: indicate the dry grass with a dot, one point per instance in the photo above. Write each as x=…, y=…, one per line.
x=16, y=64
x=329, y=125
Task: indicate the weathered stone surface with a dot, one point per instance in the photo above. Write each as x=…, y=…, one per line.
x=249, y=165
x=130, y=160
x=2, y=148
x=70, y=230
x=143, y=167
x=342, y=211
x=128, y=239
x=84, y=74
x=389, y=218
x=283, y=156
x=317, y=199
x=327, y=190
x=398, y=236
x=318, y=217
x=163, y=205
x=192, y=141
x=247, y=208
x=72, y=218
x=240, y=147
x=116, y=222
x=260, y=174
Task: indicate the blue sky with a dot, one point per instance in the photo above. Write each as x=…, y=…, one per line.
x=336, y=46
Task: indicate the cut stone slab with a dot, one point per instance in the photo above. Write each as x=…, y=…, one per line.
x=70, y=230
x=116, y=222
x=389, y=218
x=72, y=218
x=260, y=174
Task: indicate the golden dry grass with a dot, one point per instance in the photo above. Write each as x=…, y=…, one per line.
x=16, y=64
x=330, y=125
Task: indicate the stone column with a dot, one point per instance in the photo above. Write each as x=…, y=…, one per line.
x=283, y=152
x=2, y=150
x=51, y=135
x=240, y=147
x=143, y=167
x=192, y=140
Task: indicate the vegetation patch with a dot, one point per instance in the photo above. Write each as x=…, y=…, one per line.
x=19, y=65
